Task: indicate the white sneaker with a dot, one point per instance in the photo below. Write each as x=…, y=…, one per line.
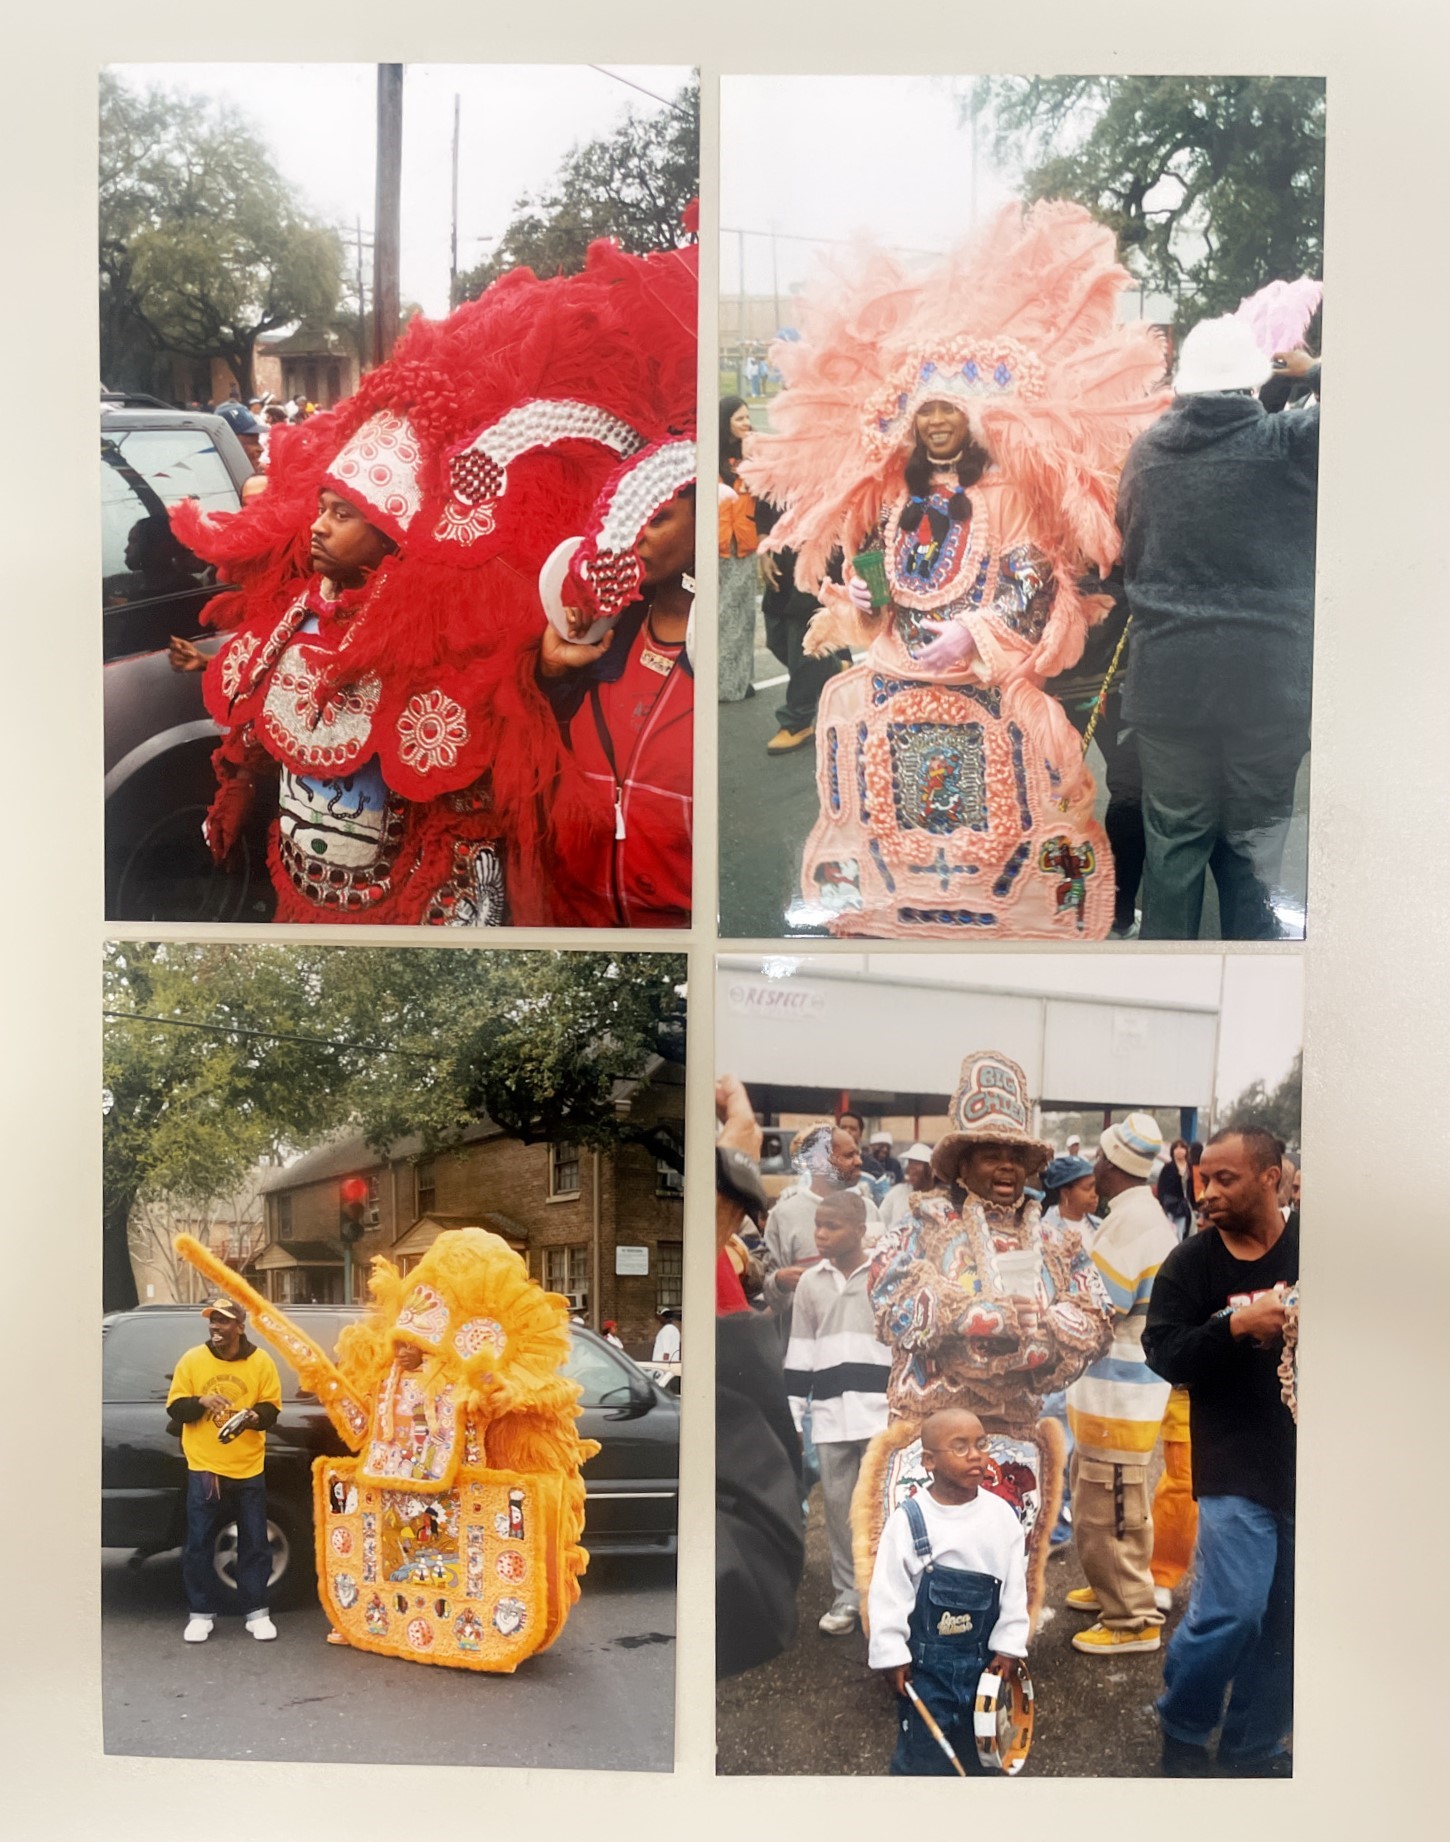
x=842, y=1617
x=198, y=1628
x=1163, y=1598
x=260, y=1625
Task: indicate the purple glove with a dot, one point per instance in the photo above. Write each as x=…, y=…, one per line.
x=952, y=648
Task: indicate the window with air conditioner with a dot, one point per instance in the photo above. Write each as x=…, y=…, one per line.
x=566, y=1270
x=668, y=1180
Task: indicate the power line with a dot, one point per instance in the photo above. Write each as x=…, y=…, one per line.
x=271, y=1036
x=664, y=101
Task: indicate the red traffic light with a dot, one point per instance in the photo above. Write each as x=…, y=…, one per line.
x=354, y=1189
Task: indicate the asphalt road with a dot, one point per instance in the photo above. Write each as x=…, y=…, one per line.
x=768, y=805
x=818, y=1709
x=602, y=1697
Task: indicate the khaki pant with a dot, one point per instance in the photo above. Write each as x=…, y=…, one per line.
x=1113, y=1529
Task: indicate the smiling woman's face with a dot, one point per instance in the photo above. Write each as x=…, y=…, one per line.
x=941, y=428
x=740, y=422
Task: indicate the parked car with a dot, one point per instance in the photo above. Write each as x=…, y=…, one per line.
x=158, y=736
x=632, y=1485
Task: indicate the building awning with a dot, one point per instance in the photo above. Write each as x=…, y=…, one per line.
x=282, y=1255
x=426, y=1230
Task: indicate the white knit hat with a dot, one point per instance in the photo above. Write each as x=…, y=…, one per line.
x=1220, y=355
x=1135, y=1144
x=917, y=1154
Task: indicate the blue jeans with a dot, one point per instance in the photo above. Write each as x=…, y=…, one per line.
x=1238, y=1634
x=242, y=1500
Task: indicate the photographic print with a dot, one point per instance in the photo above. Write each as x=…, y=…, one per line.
x=397, y=488
x=391, y=1354
x=1007, y=1364
x=1018, y=490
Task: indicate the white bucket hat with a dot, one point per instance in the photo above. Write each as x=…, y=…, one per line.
x=1135, y=1144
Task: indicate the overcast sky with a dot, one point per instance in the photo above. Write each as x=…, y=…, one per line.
x=830, y=157
x=517, y=124
x=1262, y=1013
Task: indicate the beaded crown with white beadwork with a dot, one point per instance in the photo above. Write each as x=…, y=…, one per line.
x=1019, y=327
x=605, y=566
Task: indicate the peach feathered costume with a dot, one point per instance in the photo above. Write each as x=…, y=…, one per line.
x=956, y=802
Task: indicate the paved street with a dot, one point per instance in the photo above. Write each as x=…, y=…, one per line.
x=819, y=1709
x=768, y=805
x=602, y=1697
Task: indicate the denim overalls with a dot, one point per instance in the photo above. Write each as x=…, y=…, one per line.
x=949, y=1633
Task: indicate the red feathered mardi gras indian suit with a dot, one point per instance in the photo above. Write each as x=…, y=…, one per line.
x=420, y=772
x=955, y=802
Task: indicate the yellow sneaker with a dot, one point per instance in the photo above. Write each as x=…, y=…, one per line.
x=1084, y=1599
x=1098, y=1640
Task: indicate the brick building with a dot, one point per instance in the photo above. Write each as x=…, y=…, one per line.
x=577, y=1216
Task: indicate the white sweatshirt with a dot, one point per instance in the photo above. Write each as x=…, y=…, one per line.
x=983, y=1536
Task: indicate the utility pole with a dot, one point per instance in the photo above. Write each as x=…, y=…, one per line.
x=387, y=216
x=453, y=243
x=362, y=311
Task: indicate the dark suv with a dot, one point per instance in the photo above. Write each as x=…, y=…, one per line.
x=158, y=736
x=633, y=1484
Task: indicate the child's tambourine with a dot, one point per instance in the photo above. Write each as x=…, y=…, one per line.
x=1002, y=1719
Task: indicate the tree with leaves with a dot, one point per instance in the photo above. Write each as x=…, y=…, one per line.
x=1276, y=1108
x=632, y=185
x=217, y=1055
x=203, y=245
x=1213, y=185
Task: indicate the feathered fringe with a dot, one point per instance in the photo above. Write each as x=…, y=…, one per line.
x=1047, y=277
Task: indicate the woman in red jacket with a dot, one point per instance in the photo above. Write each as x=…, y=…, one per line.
x=625, y=699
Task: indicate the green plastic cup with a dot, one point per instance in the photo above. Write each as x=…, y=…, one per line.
x=870, y=565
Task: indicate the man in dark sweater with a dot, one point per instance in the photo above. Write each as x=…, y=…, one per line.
x=1217, y=508
x=1215, y=1326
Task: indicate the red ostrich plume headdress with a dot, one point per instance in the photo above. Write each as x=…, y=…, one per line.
x=1019, y=327
x=482, y=442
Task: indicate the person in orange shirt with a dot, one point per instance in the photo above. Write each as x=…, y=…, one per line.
x=738, y=543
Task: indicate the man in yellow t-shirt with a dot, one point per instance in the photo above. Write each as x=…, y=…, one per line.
x=225, y=1393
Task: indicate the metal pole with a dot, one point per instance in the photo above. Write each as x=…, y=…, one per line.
x=387, y=217
x=740, y=338
x=347, y=1272
x=594, y=1275
x=453, y=246
x=362, y=311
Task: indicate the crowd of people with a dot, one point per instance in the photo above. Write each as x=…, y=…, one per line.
x=976, y=475
x=454, y=680
x=977, y=1348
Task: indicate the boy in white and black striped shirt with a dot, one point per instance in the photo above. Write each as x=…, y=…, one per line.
x=835, y=1364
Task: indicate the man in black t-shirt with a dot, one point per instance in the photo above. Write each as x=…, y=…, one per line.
x=1215, y=1326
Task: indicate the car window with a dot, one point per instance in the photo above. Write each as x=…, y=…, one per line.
x=139, y=1354
x=143, y=471
x=597, y=1373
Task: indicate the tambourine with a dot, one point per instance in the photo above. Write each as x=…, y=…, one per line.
x=1002, y=1719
